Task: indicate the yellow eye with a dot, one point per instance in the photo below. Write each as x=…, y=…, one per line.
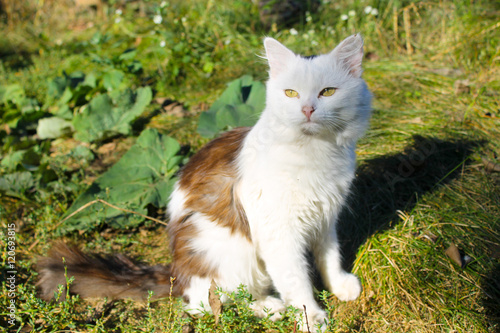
x=327, y=92
x=291, y=93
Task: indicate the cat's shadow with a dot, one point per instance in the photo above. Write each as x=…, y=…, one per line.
x=393, y=182
x=387, y=184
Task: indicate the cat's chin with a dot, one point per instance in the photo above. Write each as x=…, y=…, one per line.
x=308, y=132
x=310, y=129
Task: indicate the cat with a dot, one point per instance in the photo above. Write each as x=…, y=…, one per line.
x=252, y=203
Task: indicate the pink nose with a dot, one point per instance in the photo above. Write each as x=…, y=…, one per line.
x=307, y=111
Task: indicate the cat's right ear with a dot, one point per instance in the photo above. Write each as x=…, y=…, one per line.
x=278, y=56
x=350, y=54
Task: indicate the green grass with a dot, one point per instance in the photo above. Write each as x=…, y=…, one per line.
x=421, y=171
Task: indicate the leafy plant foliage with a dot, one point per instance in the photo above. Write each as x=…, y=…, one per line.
x=106, y=116
x=90, y=107
x=239, y=105
x=100, y=105
x=17, y=110
x=143, y=176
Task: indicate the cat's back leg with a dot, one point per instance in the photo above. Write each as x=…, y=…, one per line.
x=204, y=250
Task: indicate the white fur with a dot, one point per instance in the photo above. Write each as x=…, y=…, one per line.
x=232, y=255
x=176, y=206
x=295, y=177
x=197, y=292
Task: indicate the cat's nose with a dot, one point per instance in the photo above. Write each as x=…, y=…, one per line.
x=307, y=111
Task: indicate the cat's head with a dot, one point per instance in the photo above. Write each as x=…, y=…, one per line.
x=321, y=96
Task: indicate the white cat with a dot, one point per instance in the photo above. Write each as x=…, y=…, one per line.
x=273, y=192
x=251, y=204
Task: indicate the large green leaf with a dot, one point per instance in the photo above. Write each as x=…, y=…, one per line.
x=143, y=176
x=112, y=79
x=103, y=118
x=226, y=116
x=239, y=105
x=53, y=127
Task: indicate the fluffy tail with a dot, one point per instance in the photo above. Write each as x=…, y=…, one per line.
x=114, y=277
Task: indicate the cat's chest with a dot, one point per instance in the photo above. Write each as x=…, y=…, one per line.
x=310, y=175
x=309, y=181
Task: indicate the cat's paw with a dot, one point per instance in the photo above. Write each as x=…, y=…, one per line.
x=347, y=287
x=269, y=306
x=313, y=321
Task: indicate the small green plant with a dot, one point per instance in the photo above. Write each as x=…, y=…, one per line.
x=237, y=316
x=41, y=316
x=238, y=313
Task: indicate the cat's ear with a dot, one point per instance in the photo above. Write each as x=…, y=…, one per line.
x=350, y=53
x=278, y=56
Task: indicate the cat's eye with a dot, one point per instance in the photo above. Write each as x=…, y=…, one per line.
x=327, y=92
x=291, y=93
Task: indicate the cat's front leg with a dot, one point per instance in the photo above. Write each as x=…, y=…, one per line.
x=285, y=262
x=344, y=285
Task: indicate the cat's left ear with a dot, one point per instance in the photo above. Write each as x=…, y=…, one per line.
x=278, y=56
x=350, y=53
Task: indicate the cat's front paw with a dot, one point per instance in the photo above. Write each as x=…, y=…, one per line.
x=347, y=287
x=313, y=321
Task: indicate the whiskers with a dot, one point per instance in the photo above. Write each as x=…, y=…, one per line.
x=331, y=124
x=334, y=123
